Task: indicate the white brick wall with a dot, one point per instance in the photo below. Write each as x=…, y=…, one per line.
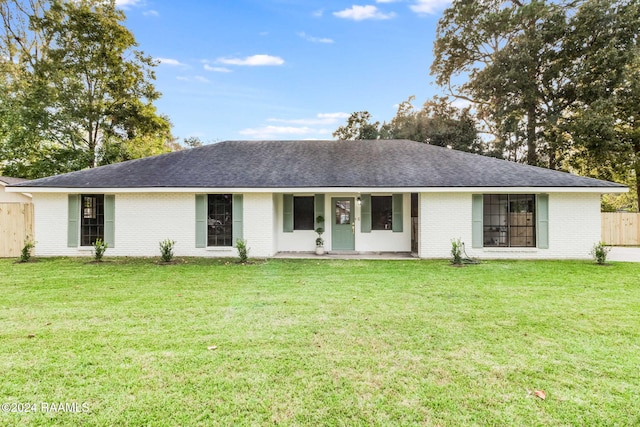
x=258, y=224
x=142, y=220
x=50, y=224
x=574, y=227
x=442, y=217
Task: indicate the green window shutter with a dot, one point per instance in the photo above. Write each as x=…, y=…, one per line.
x=73, y=218
x=365, y=213
x=201, y=220
x=110, y=220
x=542, y=226
x=238, y=210
x=318, y=202
x=287, y=213
x=477, y=209
x=396, y=208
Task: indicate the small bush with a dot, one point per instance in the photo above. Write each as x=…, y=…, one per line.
x=99, y=248
x=166, y=250
x=600, y=252
x=319, y=239
x=25, y=253
x=243, y=250
x=456, y=251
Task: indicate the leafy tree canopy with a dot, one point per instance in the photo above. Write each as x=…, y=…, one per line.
x=437, y=122
x=76, y=92
x=554, y=82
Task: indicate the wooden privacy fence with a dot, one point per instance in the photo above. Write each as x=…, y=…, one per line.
x=16, y=224
x=621, y=228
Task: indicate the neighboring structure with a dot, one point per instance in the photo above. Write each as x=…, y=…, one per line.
x=12, y=197
x=374, y=196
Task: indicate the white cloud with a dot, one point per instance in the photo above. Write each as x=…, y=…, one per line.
x=334, y=116
x=315, y=39
x=274, y=132
x=360, y=13
x=197, y=79
x=127, y=3
x=318, y=13
x=253, y=61
x=151, y=13
x=169, y=61
x=429, y=7
x=320, y=119
x=307, y=128
x=216, y=69
x=386, y=1
x=461, y=103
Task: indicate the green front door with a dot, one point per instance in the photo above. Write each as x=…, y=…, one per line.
x=342, y=224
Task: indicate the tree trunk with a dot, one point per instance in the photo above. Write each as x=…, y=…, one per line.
x=532, y=156
x=552, y=156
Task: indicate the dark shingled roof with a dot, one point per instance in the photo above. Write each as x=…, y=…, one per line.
x=10, y=180
x=300, y=164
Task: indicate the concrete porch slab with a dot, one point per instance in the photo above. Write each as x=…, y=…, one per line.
x=348, y=255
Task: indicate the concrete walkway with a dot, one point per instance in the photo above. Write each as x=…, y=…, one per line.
x=622, y=253
x=617, y=253
x=348, y=255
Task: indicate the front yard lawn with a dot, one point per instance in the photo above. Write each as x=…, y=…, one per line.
x=319, y=342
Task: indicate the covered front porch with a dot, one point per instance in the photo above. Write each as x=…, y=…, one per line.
x=354, y=224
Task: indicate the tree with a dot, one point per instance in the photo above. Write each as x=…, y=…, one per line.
x=548, y=78
x=604, y=122
x=192, y=142
x=437, y=123
x=78, y=93
x=358, y=127
x=508, y=52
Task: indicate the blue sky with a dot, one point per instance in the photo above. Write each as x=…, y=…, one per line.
x=284, y=69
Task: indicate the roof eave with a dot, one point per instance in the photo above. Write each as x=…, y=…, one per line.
x=493, y=190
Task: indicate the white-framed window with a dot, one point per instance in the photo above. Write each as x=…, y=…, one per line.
x=91, y=218
x=509, y=220
x=219, y=220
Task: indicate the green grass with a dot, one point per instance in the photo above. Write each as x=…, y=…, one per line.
x=306, y=342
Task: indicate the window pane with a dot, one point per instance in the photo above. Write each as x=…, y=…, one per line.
x=495, y=226
x=219, y=220
x=92, y=219
x=509, y=220
x=303, y=213
x=522, y=220
x=343, y=212
x=381, y=213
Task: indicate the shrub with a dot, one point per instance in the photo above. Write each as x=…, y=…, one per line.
x=600, y=252
x=25, y=253
x=166, y=250
x=319, y=239
x=456, y=251
x=319, y=231
x=99, y=248
x=243, y=250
